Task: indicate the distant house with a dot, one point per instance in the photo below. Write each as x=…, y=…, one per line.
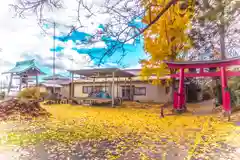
x=128, y=88
x=128, y=85
x=58, y=83
x=45, y=87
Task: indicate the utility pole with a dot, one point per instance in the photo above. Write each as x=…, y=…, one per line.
x=71, y=59
x=54, y=53
x=54, y=50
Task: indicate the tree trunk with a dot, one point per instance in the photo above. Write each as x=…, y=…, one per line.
x=222, y=40
x=218, y=93
x=223, y=47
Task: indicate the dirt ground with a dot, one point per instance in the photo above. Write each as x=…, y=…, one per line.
x=88, y=150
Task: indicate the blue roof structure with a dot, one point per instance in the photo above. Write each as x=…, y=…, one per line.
x=56, y=77
x=24, y=66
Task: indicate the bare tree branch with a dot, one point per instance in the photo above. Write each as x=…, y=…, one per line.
x=35, y=6
x=119, y=28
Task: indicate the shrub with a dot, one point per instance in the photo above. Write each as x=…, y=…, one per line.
x=30, y=93
x=43, y=94
x=192, y=90
x=234, y=85
x=208, y=93
x=207, y=96
x=2, y=95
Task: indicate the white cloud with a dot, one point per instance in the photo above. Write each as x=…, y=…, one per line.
x=138, y=66
x=67, y=16
x=99, y=44
x=73, y=60
x=21, y=39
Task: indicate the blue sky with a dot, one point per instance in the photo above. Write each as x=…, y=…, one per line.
x=126, y=55
x=25, y=40
x=119, y=55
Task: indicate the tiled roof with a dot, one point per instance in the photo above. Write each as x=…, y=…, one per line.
x=51, y=85
x=120, y=79
x=25, y=63
x=102, y=72
x=23, y=66
x=56, y=77
x=60, y=82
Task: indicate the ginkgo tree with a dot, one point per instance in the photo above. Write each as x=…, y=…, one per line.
x=167, y=39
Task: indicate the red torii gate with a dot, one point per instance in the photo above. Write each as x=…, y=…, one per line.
x=179, y=97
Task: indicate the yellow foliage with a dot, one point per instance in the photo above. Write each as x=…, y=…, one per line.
x=166, y=38
x=137, y=128
x=30, y=93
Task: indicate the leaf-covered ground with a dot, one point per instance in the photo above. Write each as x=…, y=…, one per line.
x=76, y=132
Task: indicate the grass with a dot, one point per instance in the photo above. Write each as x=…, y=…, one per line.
x=125, y=129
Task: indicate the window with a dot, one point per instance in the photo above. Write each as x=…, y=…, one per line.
x=140, y=91
x=88, y=89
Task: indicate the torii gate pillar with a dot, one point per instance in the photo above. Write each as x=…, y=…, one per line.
x=180, y=99
x=225, y=92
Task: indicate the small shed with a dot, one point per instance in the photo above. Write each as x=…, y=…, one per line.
x=53, y=83
x=48, y=87
x=25, y=70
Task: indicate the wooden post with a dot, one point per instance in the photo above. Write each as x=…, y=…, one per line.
x=125, y=88
x=27, y=81
x=225, y=93
x=71, y=90
x=131, y=91
x=105, y=84
x=93, y=87
x=10, y=83
x=117, y=86
x=113, y=76
x=20, y=84
x=36, y=80
x=181, y=89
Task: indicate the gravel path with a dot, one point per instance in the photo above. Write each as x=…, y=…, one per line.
x=85, y=151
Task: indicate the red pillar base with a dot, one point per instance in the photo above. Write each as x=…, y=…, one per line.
x=226, y=98
x=181, y=98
